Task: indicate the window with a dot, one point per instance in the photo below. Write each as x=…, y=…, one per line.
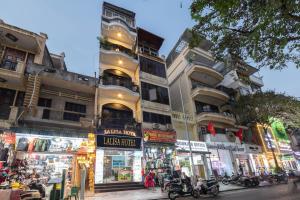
x=156, y=118
x=44, y=102
x=152, y=67
x=155, y=93
x=204, y=107
x=75, y=107
x=77, y=111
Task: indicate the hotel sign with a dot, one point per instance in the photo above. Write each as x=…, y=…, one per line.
x=121, y=132
x=159, y=136
x=118, y=141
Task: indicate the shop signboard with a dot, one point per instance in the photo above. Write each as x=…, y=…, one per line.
x=279, y=130
x=251, y=148
x=8, y=137
x=118, y=141
x=159, y=136
x=196, y=146
x=226, y=146
x=119, y=132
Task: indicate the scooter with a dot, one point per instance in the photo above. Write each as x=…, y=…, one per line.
x=206, y=187
x=180, y=188
x=234, y=179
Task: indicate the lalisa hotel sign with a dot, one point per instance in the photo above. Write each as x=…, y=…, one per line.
x=117, y=138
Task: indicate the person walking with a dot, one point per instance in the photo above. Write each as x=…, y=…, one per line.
x=149, y=180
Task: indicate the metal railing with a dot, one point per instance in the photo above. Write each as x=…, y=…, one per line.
x=121, y=21
x=110, y=80
x=114, y=47
x=203, y=111
x=9, y=64
x=120, y=123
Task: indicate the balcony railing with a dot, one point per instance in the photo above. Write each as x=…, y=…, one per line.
x=9, y=65
x=45, y=113
x=118, y=20
x=109, y=80
x=121, y=123
x=202, y=111
x=118, y=48
x=199, y=85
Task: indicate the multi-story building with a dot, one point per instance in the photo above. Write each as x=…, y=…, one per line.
x=48, y=109
x=201, y=102
x=133, y=101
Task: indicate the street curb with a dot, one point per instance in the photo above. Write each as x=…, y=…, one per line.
x=230, y=190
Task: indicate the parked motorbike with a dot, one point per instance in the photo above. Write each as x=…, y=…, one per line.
x=280, y=177
x=206, y=187
x=180, y=188
x=234, y=179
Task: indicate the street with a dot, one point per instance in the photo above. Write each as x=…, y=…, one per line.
x=276, y=192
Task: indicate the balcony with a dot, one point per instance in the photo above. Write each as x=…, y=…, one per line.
x=206, y=94
x=224, y=119
x=110, y=80
x=59, y=117
x=116, y=55
x=120, y=123
x=12, y=71
x=205, y=74
x=256, y=80
x=64, y=79
x=117, y=29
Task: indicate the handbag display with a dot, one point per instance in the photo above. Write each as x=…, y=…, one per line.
x=22, y=144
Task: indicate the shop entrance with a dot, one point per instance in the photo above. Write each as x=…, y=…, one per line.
x=121, y=166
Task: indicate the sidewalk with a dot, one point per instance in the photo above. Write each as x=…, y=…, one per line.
x=145, y=194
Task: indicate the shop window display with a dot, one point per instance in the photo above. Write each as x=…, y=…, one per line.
x=115, y=166
x=160, y=160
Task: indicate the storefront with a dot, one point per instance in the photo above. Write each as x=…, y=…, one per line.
x=49, y=155
x=118, y=156
x=286, y=156
x=159, y=151
x=253, y=153
x=269, y=144
x=225, y=157
x=184, y=161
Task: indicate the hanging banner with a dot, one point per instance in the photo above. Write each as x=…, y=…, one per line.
x=118, y=141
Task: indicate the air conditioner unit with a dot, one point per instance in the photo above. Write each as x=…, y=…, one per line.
x=155, y=126
x=169, y=127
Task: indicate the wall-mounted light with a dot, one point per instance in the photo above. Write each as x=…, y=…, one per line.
x=119, y=34
x=120, y=95
x=120, y=62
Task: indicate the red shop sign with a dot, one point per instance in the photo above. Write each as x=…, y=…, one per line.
x=8, y=137
x=159, y=136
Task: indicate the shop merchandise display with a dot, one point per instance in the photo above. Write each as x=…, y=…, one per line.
x=31, y=165
x=159, y=159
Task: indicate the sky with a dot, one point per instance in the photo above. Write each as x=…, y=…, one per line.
x=72, y=27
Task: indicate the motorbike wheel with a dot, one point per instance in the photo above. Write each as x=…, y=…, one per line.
x=196, y=194
x=172, y=195
x=215, y=191
x=225, y=181
x=247, y=183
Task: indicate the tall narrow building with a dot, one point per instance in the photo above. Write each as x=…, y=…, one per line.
x=133, y=104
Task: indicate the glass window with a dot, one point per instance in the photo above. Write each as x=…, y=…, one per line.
x=75, y=107
x=151, y=66
x=155, y=93
x=204, y=107
x=156, y=118
x=44, y=102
